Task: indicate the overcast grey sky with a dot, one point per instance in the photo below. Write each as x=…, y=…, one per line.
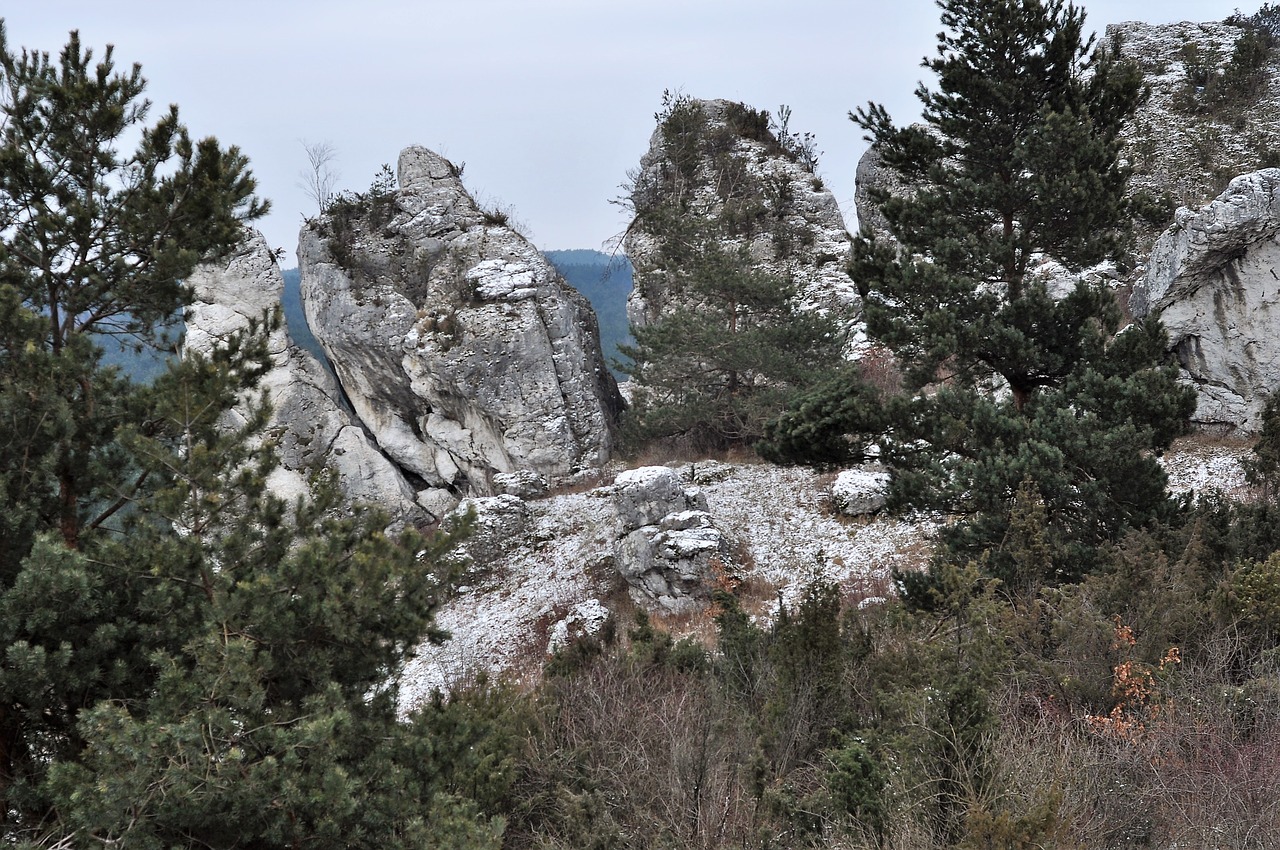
x=548, y=102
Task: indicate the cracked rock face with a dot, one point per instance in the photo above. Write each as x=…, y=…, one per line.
x=669, y=546
x=461, y=349
x=308, y=425
x=1214, y=281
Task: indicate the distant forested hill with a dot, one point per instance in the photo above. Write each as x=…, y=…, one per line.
x=606, y=281
x=291, y=303
x=140, y=363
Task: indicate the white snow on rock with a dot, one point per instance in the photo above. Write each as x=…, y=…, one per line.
x=856, y=492
x=1198, y=465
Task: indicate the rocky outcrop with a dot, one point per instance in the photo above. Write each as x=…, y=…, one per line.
x=858, y=492
x=1214, y=281
x=1193, y=134
x=308, y=426
x=1183, y=144
x=460, y=348
x=716, y=168
x=668, y=548
x=872, y=175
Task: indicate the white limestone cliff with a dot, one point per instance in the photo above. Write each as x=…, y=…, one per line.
x=460, y=347
x=1214, y=281
x=308, y=425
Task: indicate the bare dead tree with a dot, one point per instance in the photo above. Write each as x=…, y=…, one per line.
x=319, y=177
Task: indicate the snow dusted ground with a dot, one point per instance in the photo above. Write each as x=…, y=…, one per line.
x=1198, y=464
x=502, y=620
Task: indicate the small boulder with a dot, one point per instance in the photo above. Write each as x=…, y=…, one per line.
x=499, y=526
x=858, y=492
x=585, y=619
x=645, y=495
x=525, y=484
x=670, y=547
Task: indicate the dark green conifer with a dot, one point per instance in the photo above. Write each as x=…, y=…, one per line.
x=185, y=660
x=729, y=346
x=1016, y=163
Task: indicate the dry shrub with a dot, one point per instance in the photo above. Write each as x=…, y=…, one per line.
x=879, y=369
x=659, y=761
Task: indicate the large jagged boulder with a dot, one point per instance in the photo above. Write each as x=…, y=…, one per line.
x=668, y=549
x=460, y=347
x=308, y=426
x=1214, y=281
x=727, y=173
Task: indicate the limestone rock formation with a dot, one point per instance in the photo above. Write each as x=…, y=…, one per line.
x=668, y=545
x=1194, y=134
x=1214, y=280
x=308, y=425
x=858, y=492
x=461, y=349
x=728, y=170
x=870, y=175
x=1185, y=142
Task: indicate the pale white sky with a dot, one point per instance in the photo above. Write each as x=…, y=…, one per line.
x=548, y=102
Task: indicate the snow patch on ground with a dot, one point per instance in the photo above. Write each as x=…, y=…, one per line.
x=504, y=619
x=508, y=612
x=1198, y=465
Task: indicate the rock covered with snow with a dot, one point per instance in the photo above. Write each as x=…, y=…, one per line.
x=564, y=571
x=857, y=492
x=462, y=350
x=729, y=173
x=645, y=495
x=585, y=619
x=1178, y=144
x=1213, y=280
x=308, y=426
x=669, y=548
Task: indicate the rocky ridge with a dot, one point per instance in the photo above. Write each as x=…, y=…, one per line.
x=308, y=426
x=558, y=578
x=460, y=348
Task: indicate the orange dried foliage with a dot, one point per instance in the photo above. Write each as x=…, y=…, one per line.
x=1134, y=688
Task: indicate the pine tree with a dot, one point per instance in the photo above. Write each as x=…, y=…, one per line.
x=185, y=660
x=1016, y=162
x=714, y=371
x=729, y=345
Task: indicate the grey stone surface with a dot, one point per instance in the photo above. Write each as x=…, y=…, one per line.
x=461, y=349
x=499, y=526
x=669, y=548
x=525, y=484
x=308, y=426
x=858, y=492
x=645, y=495
x=1214, y=281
